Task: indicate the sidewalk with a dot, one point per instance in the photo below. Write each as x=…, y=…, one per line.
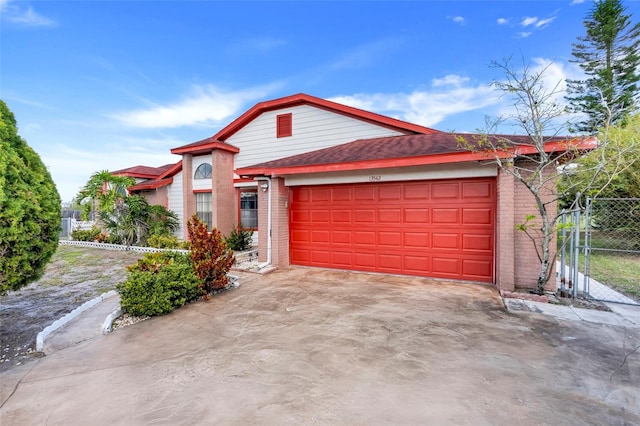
x=87, y=326
x=621, y=315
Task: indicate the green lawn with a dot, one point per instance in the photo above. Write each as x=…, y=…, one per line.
x=618, y=271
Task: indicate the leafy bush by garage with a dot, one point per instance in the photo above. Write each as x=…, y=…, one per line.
x=159, y=283
x=240, y=238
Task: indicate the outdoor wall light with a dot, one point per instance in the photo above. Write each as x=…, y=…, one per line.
x=264, y=187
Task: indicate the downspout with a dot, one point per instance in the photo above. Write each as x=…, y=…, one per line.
x=268, y=180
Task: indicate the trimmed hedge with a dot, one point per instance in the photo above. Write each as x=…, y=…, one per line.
x=159, y=283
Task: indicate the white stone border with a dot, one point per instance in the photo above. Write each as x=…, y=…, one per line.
x=42, y=336
x=116, y=247
x=107, y=326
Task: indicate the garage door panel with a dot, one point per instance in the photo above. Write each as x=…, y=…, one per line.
x=341, y=237
x=390, y=262
x=392, y=239
x=318, y=236
x=416, y=192
x=446, y=265
x=441, y=191
x=386, y=193
x=342, y=258
x=480, y=190
x=416, y=264
x=300, y=256
x=299, y=235
x=300, y=216
x=428, y=228
x=341, y=216
x=477, y=242
x=476, y=216
x=444, y=216
x=361, y=216
x=341, y=194
x=445, y=241
x=416, y=239
x=481, y=269
x=364, y=238
x=365, y=193
x=320, y=216
x=321, y=257
x=390, y=216
x=364, y=260
x=320, y=194
x=419, y=215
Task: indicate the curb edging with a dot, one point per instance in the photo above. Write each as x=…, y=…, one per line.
x=42, y=336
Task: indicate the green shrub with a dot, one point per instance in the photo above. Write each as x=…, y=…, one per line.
x=164, y=241
x=85, y=234
x=29, y=209
x=239, y=239
x=209, y=254
x=158, y=283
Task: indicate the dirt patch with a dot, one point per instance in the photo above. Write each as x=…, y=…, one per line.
x=75, y=275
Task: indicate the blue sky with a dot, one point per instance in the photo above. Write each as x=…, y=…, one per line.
x=110, y=84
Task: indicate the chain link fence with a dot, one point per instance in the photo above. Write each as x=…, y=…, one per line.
x=612, y=249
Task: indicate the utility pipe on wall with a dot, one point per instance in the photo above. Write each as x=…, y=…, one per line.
x=268, y=180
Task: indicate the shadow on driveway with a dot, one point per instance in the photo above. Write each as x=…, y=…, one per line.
x=311, y=346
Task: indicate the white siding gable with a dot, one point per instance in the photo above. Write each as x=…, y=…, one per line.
x=175, y=202
x=313, y=128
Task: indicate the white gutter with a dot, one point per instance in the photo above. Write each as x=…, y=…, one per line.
x=268, y=262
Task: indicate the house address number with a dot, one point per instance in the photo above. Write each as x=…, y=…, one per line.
x=375, y=178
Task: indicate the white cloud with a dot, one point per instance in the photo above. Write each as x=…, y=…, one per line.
x=577, y=2
x=457, y=19
x=24, y=16
x=448, y=96
x=447, y=80
x=528, y=20
x=524, y=34
x=545, y=22
x=502, y=21
x=204, y=105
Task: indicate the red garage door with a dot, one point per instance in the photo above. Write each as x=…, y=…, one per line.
x=429, y=228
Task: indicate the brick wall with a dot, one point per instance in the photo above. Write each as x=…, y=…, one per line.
x=520, y=255
x=223, y=197
x=505, y=229
x=157, y=196
x=280, y=223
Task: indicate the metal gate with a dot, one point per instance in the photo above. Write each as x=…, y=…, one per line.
x=600, y=251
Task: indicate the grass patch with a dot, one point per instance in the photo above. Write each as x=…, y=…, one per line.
x=621, y=272
x=69, y=254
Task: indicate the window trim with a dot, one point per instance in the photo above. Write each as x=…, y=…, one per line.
x=210, y=171
x=284, y=125
x=195, y=193
x=239, y=192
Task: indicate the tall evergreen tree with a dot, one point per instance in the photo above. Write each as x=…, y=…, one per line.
x=609, y=55
x=29, y=209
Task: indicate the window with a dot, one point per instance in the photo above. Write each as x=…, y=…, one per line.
x=283, y=124
x=249, y=209
x=203, y=208
x=203, y=171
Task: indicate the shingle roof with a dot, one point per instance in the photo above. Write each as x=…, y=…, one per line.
x=144, y=171
x=391, y=148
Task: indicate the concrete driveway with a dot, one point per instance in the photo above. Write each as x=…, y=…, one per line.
x=309, y=346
